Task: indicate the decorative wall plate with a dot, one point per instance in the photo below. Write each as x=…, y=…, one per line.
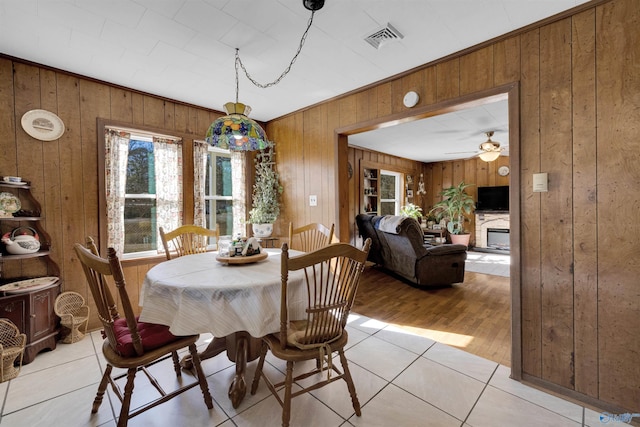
x=42, y=125
x=9, y=203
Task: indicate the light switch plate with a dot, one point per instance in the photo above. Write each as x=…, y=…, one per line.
x=540, y=183
x=313, y=200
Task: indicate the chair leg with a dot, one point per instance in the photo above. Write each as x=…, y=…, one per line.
x=352, y=388
x=176, y=363
x=101, y=389
x=286, y=403
x=204, y=386
x=258, y=373
x=126, y=401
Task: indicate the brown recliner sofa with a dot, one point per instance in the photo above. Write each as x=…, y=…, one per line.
x=401, y=250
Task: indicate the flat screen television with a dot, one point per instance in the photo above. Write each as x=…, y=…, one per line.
x=493, y=198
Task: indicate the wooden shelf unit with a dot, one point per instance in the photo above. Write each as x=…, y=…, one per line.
x=370, y=191
x=32, y=312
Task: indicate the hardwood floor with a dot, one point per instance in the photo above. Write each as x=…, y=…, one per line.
x=474, y=316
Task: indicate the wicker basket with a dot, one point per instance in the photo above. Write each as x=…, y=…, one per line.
x=12, y=344
x=74, y=313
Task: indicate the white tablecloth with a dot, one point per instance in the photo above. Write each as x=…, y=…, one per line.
x=197, y=294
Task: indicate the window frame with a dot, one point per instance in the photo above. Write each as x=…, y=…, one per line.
x=187, y=172
x=398, y=190
x=188, y=140
x=403, y=171
x=141, y=254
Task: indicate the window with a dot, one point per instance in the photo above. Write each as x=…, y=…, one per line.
x=143, y=189
x=389, y=193
x=140, y=197
x=219, y=191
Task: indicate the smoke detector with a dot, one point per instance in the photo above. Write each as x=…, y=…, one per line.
x=383, y=35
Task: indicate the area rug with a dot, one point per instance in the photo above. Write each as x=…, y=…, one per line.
x=488, y=263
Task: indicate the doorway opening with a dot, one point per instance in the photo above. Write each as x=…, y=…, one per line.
x=347, y=229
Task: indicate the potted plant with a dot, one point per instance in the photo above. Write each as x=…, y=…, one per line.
x=411, y=211
x=455, y=205
x=266, y=195
x=431, y=220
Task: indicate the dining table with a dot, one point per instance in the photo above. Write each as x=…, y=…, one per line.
x=237, y=302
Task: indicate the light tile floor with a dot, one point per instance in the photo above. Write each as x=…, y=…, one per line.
x=401, y=380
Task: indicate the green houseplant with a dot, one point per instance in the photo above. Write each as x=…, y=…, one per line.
x=411, y=211
x=266, y=194
x=455, y=205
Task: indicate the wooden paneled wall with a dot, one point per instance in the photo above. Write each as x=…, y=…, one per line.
x=64, y=173
x=577, y=287
x=578, y=296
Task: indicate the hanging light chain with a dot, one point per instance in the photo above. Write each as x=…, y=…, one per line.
x=284, y=73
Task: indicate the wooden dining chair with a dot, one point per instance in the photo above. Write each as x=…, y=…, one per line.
x=331, y=277
x=188, y=239
x=310, y=237
x=131, y=344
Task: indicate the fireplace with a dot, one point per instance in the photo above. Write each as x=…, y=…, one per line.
x=498, y=238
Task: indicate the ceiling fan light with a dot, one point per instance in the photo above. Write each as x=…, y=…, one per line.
x=490, y=146
x=489, y=156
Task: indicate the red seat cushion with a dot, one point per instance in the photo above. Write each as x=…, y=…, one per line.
x=151, y=334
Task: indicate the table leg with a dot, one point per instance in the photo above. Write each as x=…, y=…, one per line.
x=241, y=347
x=238, y=387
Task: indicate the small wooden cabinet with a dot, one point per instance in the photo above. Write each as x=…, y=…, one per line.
x=31, y=311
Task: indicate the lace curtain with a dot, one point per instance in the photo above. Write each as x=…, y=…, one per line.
x=200, y=154
x=116, y=156
x=168, y=169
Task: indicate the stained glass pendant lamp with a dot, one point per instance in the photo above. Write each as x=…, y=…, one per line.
x=236, y=131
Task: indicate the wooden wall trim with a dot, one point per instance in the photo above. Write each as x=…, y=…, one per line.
x=572, y=394
x=515, y=225
x=475, y=99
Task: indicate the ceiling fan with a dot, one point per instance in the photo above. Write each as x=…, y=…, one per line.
x=489, y=150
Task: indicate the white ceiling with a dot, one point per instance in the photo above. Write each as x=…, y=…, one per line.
x=448, y=136
x=184, y=49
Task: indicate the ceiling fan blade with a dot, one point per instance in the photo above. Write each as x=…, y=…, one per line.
x=463, y=152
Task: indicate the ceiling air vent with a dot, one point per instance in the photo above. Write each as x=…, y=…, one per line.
x=383, y=35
